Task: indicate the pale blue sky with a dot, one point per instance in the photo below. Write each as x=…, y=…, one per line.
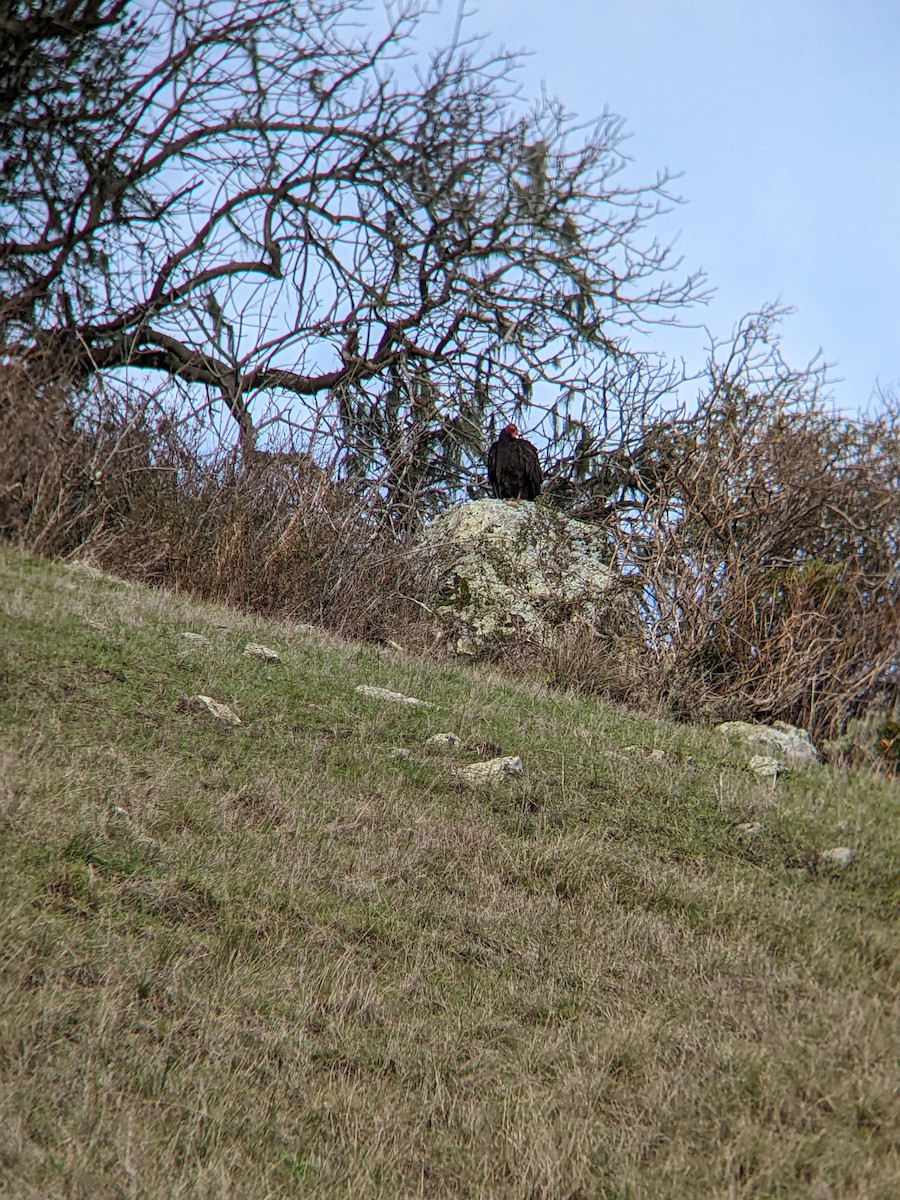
x=783, y=119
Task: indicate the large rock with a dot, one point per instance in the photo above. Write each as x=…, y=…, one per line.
x=783, y=740
x=514, y=568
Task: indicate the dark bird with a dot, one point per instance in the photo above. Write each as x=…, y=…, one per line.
x=514, y=469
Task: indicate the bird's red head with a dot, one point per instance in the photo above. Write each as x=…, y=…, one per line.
x=511, y=431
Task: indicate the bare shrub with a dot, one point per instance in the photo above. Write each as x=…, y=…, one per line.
x=611, y=666
x=144, y=493
x=282, y=539
x=871, y=740
x=765, y=533
x=71, y=464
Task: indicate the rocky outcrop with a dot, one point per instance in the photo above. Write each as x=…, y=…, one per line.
x=779, y=740
x=508, y=568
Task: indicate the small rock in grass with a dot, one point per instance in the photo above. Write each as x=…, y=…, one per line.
x=654, y=753
x=766, y=767
x=401, y=753
x=195, y=639
x=443, y=741
x=494, y=770
x=379, y=693
x=749, y=828
x=838, y=856
x=255, y=650
x=467, y=647
x=216, y=709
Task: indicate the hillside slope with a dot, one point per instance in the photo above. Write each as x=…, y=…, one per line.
x=283, y=959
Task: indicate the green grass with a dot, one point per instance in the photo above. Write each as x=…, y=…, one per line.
x=277, y=960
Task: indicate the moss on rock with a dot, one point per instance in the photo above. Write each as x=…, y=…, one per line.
x=515, y=568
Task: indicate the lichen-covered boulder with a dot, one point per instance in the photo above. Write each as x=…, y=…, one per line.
x=514, y=568
x=779, y=739
x=493, y=771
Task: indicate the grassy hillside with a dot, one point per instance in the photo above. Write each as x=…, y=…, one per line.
x=281, y=960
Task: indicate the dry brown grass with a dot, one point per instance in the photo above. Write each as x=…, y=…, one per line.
x=277, y=961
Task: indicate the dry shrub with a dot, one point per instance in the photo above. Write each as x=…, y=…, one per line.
x=144, y=493
x=610, y=666
x=71, y=464
x=281, y=538
x=871, y=740
x=766, y=543
x=44, y=465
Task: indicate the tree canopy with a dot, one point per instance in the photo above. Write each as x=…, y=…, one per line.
x=306, y=220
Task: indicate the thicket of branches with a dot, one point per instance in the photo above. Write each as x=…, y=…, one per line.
x=763, y=536
x=301, y=226
x=265, y=279
x=139, y=491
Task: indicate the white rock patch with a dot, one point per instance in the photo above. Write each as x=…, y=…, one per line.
x=779, y=738
x=194, y=639
x=838, y=856
x=255, y=650
x=443, y=741
x=514, y=567
x=216, y=709
x=493, y=771
x=379, y=693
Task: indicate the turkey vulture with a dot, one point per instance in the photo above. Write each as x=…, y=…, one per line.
x=514, y=469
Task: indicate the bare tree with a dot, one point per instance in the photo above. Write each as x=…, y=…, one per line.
x=63, y=88
x=272, y=203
